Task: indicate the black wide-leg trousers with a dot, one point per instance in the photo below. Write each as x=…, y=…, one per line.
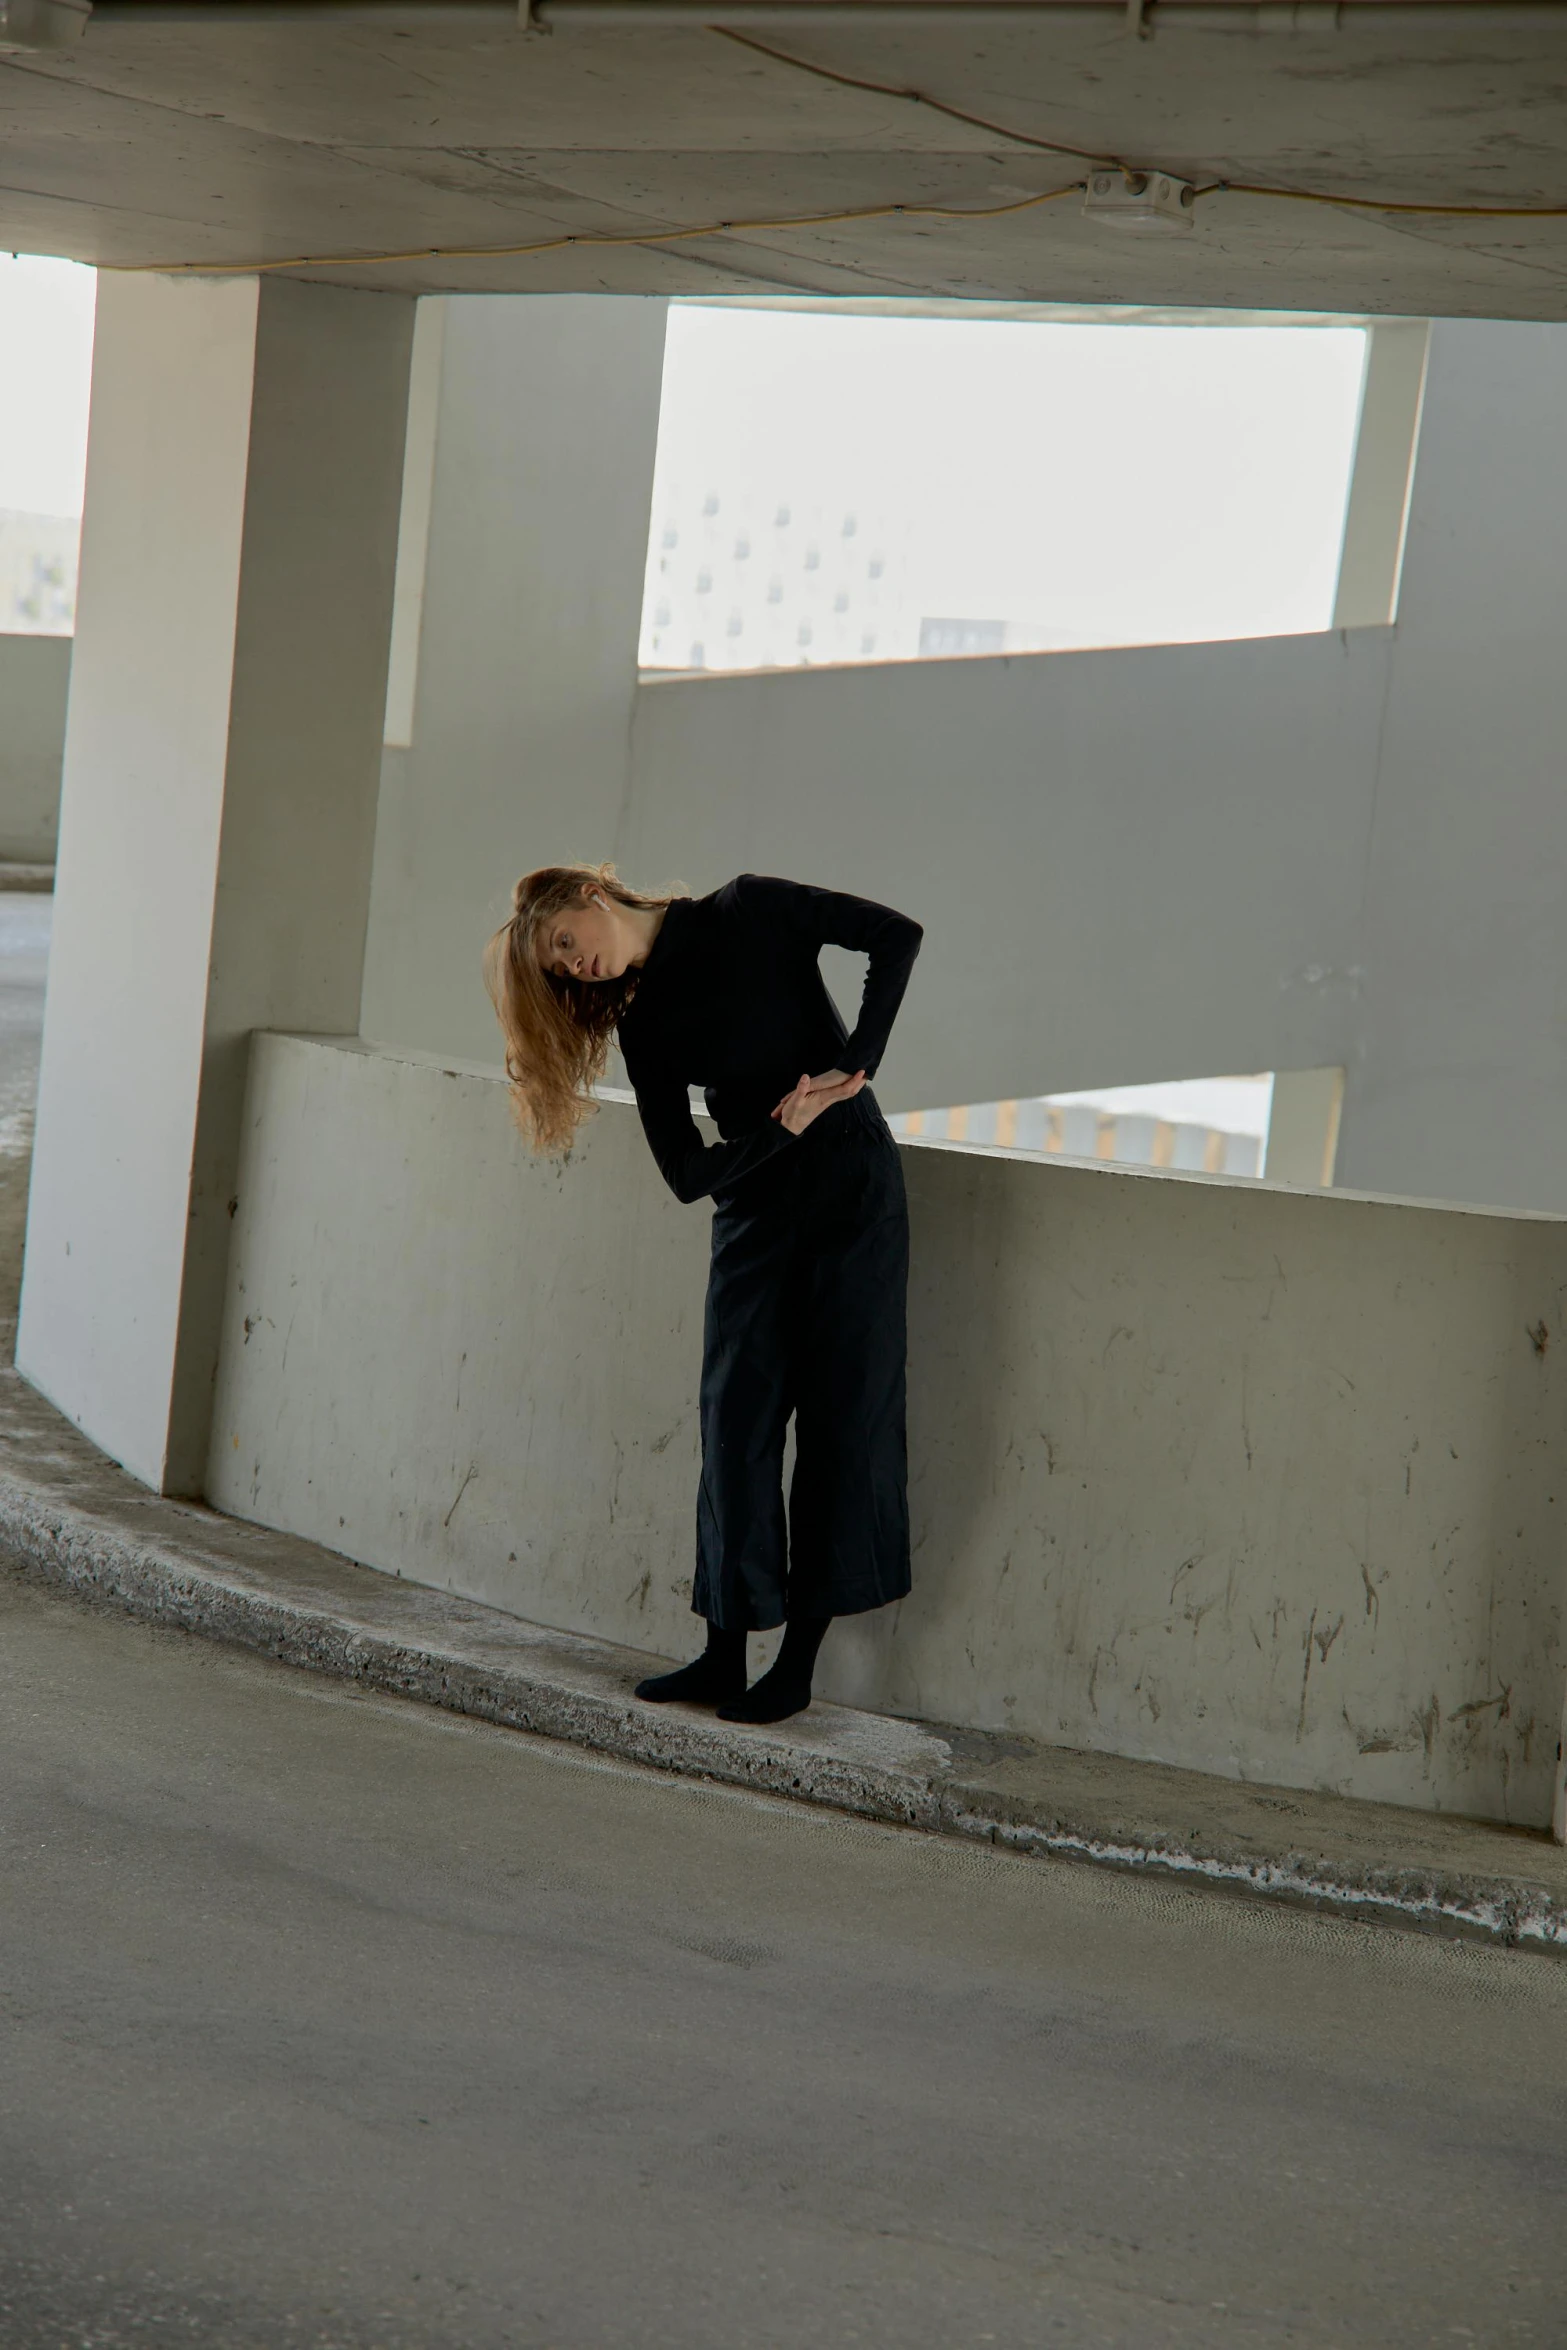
x=806, y=1314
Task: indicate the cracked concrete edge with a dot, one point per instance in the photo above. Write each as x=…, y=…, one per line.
x=1493, y=1910
x=75, y=1551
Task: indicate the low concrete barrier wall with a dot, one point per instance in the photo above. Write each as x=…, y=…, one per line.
x=35, y=676
x=1216, y=1473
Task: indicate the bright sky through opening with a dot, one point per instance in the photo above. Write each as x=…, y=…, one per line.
x=1022, y=485
x=46, y=331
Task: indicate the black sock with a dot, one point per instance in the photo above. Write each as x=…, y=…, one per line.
x=785, y=1688
x=718, y=1673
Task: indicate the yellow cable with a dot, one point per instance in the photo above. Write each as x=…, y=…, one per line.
x=666, y=236
x=745, y=228
x=982, y=122
x=741, y=228
x=854, y=81
x=1379, y=204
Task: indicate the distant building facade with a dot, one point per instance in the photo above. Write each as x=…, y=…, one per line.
x=779, y=582
x=1080, y=1130
x=754, y=581
x=38, y=554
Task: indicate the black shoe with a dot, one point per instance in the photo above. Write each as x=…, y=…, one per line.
x=776, y=1697
x=711, y=1679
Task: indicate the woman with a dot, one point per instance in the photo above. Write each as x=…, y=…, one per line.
x=805, y=1299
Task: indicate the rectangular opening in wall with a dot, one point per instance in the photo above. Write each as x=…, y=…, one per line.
x=1199, y=1125
x=46, y=334
x=849, y=487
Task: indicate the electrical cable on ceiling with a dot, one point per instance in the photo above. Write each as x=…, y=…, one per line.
x=854, y=81
x=590, y=241
x=740, y=228
x=799, y=220
x=850, y=81
x=1385, y=204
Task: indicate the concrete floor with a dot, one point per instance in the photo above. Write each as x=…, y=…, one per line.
x=333, y=2020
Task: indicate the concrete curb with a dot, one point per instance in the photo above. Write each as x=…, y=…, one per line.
x=112, y=1544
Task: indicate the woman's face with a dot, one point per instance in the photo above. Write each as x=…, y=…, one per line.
x=586, y=941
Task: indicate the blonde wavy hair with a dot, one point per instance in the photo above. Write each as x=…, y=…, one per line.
x=557, y=1031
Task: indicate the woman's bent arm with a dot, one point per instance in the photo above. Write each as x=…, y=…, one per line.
x=830, y=917
x=690, y=1166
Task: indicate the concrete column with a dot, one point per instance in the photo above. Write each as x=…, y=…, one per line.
x=1377, y=510
x=218, y=812
x=413, y=538
x=1457, y=1087
x=518, y=726
x=1303, y=1126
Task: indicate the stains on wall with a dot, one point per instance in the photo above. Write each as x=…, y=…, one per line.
x=1255, y=1482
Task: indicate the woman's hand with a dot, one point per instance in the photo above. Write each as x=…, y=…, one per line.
x=814, y=1094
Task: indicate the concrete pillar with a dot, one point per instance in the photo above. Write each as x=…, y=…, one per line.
x=1457, y=1086
x=512, y=745
x=1377, y=510
x=1303, y=1126
x=218, y=813
x=413, y=538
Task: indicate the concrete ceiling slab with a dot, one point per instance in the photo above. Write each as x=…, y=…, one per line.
x=158, y=144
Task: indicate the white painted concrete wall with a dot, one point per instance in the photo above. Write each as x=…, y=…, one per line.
x=228, y=688
x=1458, y=1086
x=35, y=674
x=527, y=658
x=1131, y=865
x=1163, y=863
x=161, y=538
x=1245, y=1479
x=1387, y=435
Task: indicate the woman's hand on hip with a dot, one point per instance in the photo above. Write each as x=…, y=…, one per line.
x=814, y=1094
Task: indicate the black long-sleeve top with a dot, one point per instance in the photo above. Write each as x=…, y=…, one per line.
x=731, y=999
